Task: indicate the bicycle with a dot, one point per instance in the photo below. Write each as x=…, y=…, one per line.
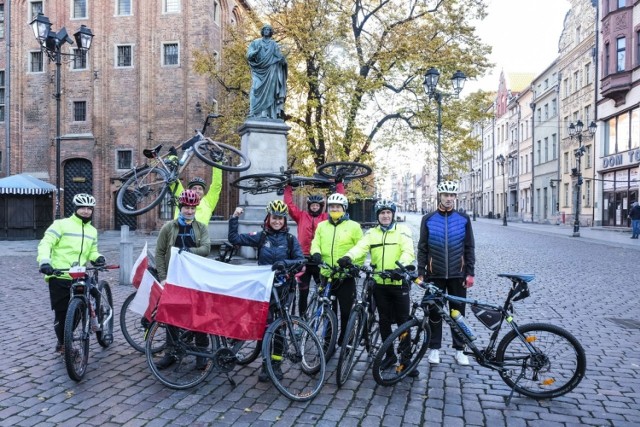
x=537, y=360
x=90, y=310
x=292, y=352
x=263, y=183
x=363, y=327
x=145, y=186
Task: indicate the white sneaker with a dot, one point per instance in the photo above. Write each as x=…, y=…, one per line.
x=461, y=358
x=434, y=357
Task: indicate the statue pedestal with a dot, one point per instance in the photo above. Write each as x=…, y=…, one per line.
x=264, y=142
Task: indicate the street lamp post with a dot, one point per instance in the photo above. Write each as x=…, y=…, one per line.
x=51, y=43
x=576, y=131
x=501, y=160
x=430, y=84
x=473, y=193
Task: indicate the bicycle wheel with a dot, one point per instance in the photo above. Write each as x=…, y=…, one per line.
x=221, y=156
x=175, y=366
x=294, y=359
x=134, y=327
x=352, y=336
x=303, y=181
x=76, y=339
x=105, y=315
x=406, y=345
x=260, y=183
x=142, y=191
x=345, y=170
x=551, y=362
x=324, y=324
x=245, y=351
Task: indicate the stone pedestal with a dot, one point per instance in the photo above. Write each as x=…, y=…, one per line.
x=264, y=142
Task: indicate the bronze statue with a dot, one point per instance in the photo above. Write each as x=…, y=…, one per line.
x=268, y=75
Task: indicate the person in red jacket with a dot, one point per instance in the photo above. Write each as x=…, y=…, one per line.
x=307, y=223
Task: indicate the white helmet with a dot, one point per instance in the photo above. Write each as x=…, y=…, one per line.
x=450, y=187
x=84, y=199
x=338, y=199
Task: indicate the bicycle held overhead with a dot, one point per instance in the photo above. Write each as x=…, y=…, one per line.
x=146, y=185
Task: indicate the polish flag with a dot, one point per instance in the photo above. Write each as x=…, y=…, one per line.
x=147, y=296
x=213, y=297
x=139, y=267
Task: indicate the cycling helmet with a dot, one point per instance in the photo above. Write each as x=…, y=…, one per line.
x=385, y=204
x=338, y=199
x=450, y=187
x=197, y=181
x=188, y=198
x=84, y=199
x=315, y=198
x=277, y=208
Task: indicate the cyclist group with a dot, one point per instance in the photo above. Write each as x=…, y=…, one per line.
x=325, y=238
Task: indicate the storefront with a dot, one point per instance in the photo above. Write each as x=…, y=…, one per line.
x=619, y=176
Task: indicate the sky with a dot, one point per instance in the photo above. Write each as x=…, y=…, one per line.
x=524, y=35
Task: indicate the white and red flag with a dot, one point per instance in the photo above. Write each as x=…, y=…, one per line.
x=148, y=289
x=205, y=295
x=139, y=267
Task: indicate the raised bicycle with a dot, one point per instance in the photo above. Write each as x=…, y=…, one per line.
x=90, y=311
x=537, y=360
x=290, y=349
x=146, y=185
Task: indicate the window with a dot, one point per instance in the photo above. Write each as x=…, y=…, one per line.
x=610, y=137
x=566, y=195
x=622, y=144
x=36, y=65
x=539, y=152
x=587, y=157
x=2, y=95
x=124, y=56
x=587, y=115
x=35, y=8
x=554, y=108
x=587, y=192
x=170, y=6
x=622, y=3
x=79, y=9
x=546, y=111
x=635, y=128
x=620, y=51
x=576, y=84
x=1, y=20
x=546, y=149
x=587, y=74
x=216, y=12
x=123, y=7
x=607, y=58
x=539, y=115
x=578, y=34
x=80, y=111
x=79, y=59
x=566, y=87
x=124, y=159
x=565, y=162
x=170, y=54
x=546, y=84
x=554, y=146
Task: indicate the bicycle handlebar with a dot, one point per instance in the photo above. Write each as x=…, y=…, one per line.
x=59, y=271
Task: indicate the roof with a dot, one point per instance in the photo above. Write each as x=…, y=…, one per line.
x=25, y=184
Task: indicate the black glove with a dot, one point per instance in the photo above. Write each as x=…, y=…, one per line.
x=46, y=269
x=344, y=262
x=278, y=265
x=316, y=258
x=99, y=262
x=396, y=274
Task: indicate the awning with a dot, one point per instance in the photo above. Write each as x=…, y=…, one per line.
x=25, y=184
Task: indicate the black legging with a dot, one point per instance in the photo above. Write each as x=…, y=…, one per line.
x=393, y=304
x=310, y=271
x=452, y=287
x=345, y=292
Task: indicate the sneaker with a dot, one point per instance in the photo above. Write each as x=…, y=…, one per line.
x=166, y=361
x=60, y=348
x=461, y=358
x=388, y=361
x=434, y=356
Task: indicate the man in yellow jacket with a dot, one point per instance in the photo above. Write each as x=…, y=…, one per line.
x=388, y=242
x=208, y=201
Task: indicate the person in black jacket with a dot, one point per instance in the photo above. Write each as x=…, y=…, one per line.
x=446, y=257
x=634, y=216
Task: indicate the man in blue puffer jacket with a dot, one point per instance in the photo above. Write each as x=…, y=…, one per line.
x=446, y=256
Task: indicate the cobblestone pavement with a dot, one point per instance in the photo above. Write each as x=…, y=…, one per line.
x=587, y=285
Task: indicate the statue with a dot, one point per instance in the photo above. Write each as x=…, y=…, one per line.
x=268, y=77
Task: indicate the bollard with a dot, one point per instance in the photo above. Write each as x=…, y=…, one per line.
x=126, y=256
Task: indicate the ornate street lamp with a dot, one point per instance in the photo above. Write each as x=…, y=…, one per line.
x=430, y=84
x=501, y=160
x=51, y=43
x=576, y=131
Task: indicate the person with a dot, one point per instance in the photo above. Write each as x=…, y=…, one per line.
x=188, y=234
x=67, y=242
x=387, y=243
x=333, y=238
x=307, y=223
x=634, y=216
x=446, y=257
x=208, y=201
x=268, y=76
x=275, y=245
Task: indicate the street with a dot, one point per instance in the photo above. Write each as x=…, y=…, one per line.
x=586, y=286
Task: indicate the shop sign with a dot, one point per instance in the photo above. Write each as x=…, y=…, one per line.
x=621, y=159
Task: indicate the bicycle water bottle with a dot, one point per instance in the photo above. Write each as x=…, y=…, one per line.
x=185, y=155
x=94, y=320
x=462, y=322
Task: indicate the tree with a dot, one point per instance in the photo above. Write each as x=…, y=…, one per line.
x=356, y=70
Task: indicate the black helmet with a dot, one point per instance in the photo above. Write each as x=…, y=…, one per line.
x=197, y=181
x=315, y=198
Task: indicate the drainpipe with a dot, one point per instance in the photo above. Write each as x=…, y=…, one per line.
x=533, y=151
x=518, y=136
x=594, y=55
x=7, y=85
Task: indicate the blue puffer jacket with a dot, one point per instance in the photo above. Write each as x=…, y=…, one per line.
x=446, y=248
x=275, y=246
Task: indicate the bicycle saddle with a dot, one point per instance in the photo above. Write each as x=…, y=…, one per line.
x=518, y=277
x=151, y=153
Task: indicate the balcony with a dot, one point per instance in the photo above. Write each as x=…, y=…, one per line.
x=616, y=86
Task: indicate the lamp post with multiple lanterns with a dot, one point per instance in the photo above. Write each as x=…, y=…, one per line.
x=576, y=131
x=501, y=161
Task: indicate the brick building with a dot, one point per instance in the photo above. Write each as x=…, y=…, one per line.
x=135, y=88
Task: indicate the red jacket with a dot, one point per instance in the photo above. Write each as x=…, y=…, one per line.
x=307, y=223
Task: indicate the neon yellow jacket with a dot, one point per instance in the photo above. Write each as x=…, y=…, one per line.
x=210, y=200
x=333, y=240
x=386, y=248
x=68, y=241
